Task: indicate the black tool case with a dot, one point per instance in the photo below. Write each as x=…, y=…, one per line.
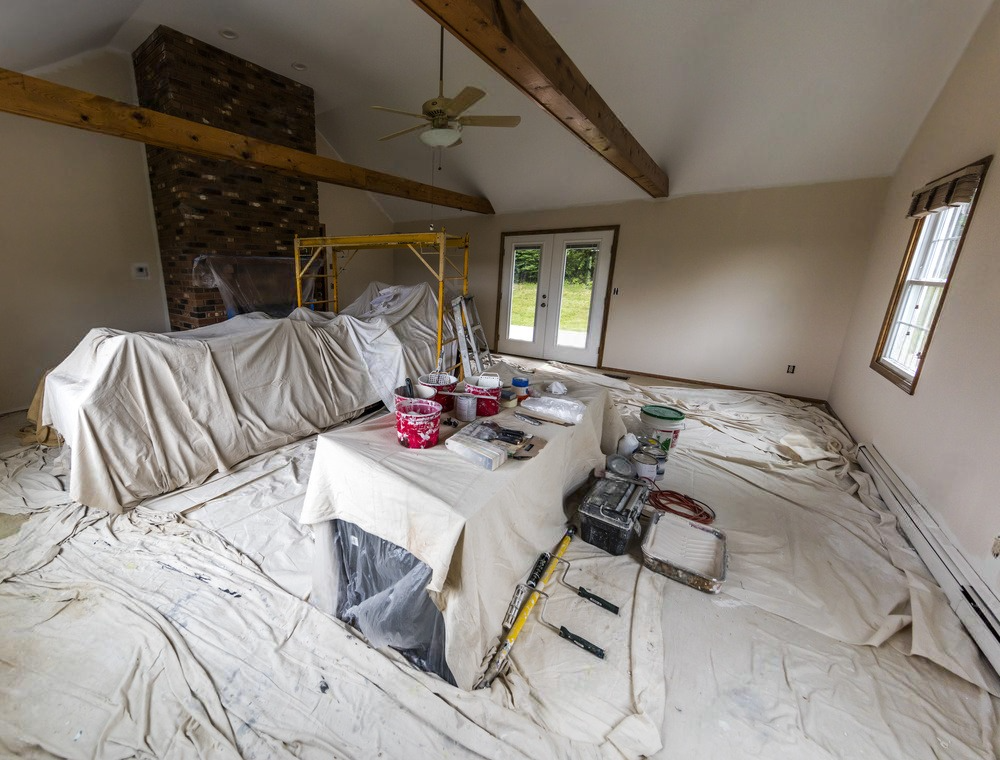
x=610, y=513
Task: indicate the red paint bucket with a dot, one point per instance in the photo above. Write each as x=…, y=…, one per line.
x=486, y=389
x=420, y=391
x=418, y=422
x=441, y=381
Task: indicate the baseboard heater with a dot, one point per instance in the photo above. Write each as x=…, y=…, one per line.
x=976, y=605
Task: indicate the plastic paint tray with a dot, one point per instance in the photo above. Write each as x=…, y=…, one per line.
x=685, y=551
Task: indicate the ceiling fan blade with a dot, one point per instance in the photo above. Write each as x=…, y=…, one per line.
x=465, y=99
x=402, y=132
x=489, y=121
x=402, y=113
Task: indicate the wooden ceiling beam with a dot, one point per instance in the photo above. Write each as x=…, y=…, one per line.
x=511, y=39
x=40, y=99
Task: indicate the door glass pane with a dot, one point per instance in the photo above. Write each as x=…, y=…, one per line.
x=524, y=292
x=579, y=265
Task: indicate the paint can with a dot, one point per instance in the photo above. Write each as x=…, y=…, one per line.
x=419, y=390
x=465, y=408
x=664, y=424
x=520, y=385
x=645, y=466
x=486, y=388
x=442, y=383
x=659, y=455
x=418, y=423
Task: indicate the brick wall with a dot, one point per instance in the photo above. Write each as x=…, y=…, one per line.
x=207, y=206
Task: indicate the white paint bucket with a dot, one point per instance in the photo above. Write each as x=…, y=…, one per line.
x=645, y=466
x=664, y=424
x=465, y=408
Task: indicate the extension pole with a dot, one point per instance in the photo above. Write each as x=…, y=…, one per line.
x=503, y=653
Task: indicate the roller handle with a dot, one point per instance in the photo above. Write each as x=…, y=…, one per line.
x=536, y=572
x=600, y=602
x=581, y=642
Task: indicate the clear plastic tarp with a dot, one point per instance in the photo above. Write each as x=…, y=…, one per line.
x=252, y=283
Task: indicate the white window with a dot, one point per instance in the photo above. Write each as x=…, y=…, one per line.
x=942, y=211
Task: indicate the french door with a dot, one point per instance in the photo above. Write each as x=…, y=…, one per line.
x=553, y=295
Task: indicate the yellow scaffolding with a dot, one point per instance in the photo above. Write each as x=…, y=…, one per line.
x=426, y=246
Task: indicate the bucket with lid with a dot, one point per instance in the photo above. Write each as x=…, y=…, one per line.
x=418, y=422
x=419, y=391
x=442, y=383
x=486, y=388
x=664, y=424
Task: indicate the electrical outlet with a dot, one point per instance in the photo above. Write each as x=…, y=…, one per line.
x=140, y=271
x=614, y=291
x=790, y=369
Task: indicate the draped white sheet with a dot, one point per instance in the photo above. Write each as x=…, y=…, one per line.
x=144, y=414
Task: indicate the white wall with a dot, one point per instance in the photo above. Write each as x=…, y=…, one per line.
x=346, y=211
x=945, y=439
x=726, y=288
x=75, y=213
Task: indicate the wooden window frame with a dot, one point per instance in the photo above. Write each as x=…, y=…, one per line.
x=877, y=363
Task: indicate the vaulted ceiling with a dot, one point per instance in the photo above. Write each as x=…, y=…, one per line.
x=723, y=94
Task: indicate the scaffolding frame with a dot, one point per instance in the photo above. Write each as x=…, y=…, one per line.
x=426, y=246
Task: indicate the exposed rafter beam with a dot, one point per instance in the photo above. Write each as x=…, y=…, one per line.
x=39, y=99
x=511, y=39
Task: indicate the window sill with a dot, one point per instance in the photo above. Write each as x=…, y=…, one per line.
x=900, y=381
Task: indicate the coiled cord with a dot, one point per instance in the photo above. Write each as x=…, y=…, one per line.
x=681, y=504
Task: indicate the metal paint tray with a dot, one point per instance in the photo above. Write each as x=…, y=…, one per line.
x=685, y=551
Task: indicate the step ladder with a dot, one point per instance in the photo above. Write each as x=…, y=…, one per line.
x=472, y=341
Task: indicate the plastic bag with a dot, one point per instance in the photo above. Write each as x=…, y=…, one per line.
x=563, y=408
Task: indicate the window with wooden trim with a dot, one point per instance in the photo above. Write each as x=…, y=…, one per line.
x=942, y=211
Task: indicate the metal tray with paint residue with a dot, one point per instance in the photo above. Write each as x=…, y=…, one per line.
x=685, y=551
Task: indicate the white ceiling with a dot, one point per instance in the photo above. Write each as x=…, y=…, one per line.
x=724, y=94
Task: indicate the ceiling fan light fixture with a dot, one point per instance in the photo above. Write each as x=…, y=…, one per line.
x=440, y=138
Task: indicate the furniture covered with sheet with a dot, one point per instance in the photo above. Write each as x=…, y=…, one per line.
x=145, y=413
x=478, y=532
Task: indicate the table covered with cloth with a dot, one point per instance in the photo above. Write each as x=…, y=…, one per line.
x=478, y=531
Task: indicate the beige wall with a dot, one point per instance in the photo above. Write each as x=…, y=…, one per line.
x=346, y=211
x=74, y=215
x=727, y=288
x=945, y=439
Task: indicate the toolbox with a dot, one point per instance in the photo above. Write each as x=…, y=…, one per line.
x=610, y=512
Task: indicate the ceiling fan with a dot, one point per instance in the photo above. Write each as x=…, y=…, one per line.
x=443, y=116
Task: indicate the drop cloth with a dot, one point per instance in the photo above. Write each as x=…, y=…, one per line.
x=808, y=536
x=144, y=414
x=120, y=638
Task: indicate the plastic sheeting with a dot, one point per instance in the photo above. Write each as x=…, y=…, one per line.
x=144, y=413
x=381, y=592
x=251, y=284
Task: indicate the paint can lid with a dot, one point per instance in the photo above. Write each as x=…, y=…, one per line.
x=519, y=382
x=663, y=413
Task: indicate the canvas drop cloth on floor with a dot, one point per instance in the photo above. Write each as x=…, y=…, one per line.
x=144, y=413
x=186, y=635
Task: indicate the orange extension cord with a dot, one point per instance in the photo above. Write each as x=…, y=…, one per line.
x=681, y=504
